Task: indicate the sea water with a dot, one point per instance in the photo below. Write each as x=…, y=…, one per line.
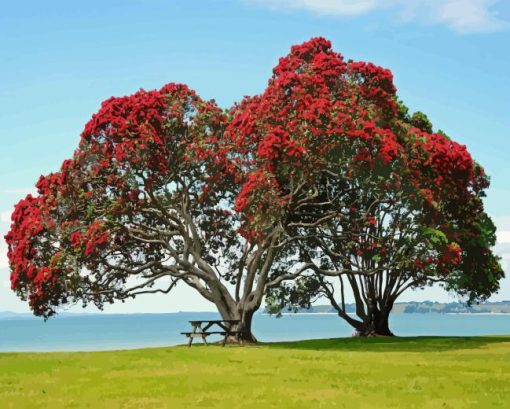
x=125, y=331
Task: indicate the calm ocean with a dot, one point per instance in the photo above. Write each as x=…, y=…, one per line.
x=105, y=332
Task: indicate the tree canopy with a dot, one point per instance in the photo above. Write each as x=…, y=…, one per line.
x=324, y=176
x=397, y=206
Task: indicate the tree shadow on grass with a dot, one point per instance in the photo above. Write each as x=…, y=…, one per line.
x=393, y=344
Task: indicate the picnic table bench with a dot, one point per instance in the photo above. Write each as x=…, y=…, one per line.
x=202, y=329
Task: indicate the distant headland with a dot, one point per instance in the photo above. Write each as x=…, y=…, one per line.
x=423, y=307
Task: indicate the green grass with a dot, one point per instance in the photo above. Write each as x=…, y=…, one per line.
x=425, y=372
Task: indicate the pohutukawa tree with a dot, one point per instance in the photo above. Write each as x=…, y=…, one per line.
x=147, y=201
x=323, y=176
x=384, y=206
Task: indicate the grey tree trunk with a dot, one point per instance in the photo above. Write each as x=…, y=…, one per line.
x=375, y=323
x=245, y=334
x=231, y=310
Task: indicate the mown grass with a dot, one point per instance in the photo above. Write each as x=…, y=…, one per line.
x=424, y=372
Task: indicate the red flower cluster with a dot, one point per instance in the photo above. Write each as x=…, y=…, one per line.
x=315, y=104
x=450, y=257
x=127, y=149
x=442, y=170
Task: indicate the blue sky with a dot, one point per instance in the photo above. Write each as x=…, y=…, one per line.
x=60, y=59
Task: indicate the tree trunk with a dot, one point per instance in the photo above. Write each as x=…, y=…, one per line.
x=246, y=317
x=382, y=326
x=242, y=311
x=245, y=326
x=376, y=324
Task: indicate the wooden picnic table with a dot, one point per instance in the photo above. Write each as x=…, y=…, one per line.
x=201, y=329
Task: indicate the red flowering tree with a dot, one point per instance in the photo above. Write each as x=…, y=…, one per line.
x=377, y=203
x=323, y=176
x=147, y=201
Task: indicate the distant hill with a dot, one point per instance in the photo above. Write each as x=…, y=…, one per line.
x=500, y=307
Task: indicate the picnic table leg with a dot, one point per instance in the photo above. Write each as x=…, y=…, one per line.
x=227, y=329
x=194, y=331
x=205, y=342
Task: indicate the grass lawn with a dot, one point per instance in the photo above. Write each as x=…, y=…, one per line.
x=424, y=372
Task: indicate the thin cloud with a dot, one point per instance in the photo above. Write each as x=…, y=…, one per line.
x=5, y=217
x=4, y=261
x=470, y=16
x=462, y=16
x=502, y=247
x=5, y=220
x=505, y=260
x=503, y=237
x=324, y=7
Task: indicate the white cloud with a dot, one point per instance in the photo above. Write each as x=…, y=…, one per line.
x=325, y=7
x=463, y=16
x=5, y=220
x=503, y=237
x=502, y=222
x=467, y=16
x=4, y=261
x=5, y=217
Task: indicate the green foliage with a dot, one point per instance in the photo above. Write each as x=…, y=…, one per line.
x=421, y=121
x=435, y=237
x=478, y=276
x=292, y=296
x=405, y=222
x=443, y=133
x=403, y=111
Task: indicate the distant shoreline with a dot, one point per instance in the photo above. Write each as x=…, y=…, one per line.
x=470, y=313
x=406, y=313
x=306, y=313
x=413, y=307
